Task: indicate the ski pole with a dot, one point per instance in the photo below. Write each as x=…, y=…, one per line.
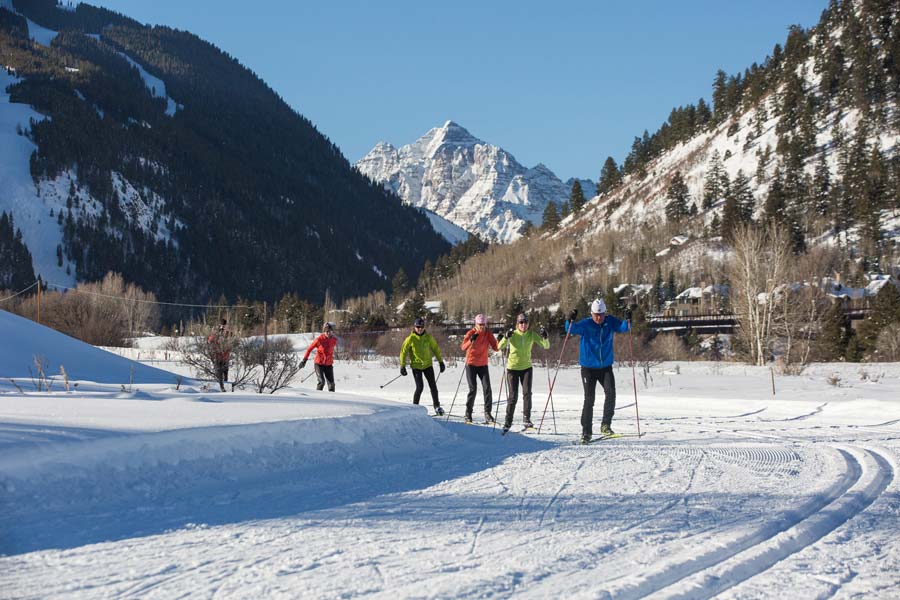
x=500, y=393
x=390, y=382
x=459, y=383
x=311, y=373
x=553, y=383
x=634, y=378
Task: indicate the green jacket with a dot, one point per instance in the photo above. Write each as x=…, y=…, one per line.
x=520, y=348
x=420, y=349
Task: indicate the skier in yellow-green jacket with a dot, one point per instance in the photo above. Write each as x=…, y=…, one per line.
x=422, y=349
x=519, y=369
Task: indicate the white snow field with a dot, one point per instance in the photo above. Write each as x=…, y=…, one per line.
x=157, y=492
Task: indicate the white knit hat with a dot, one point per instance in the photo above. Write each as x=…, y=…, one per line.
x=598, y=306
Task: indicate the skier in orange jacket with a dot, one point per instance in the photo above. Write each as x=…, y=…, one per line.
x=476, y=344
x=324, y=346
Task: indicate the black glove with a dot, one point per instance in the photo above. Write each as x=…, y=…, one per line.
x=403, y=370
x=302, y=363
x=472, y=338
x=628, y=314
x=441, y=367
x=544, y=333
x=499, y=336
x=573, y=314
x=509, y=333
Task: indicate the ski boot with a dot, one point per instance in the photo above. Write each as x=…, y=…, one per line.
x=585, y=440
x=439, y=412
x=489, y=419
x=606, y=430
x=527, y=425
x=468, y=419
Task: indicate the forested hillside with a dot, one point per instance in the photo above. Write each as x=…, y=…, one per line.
x=806, y=139
x=212, y=185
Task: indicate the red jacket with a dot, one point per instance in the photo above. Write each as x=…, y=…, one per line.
x=477, y=352
x=324, y=347
x=216, y=340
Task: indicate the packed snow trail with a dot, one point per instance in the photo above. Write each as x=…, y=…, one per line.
x=731, y=494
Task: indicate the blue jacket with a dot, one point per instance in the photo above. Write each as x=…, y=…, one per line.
x=597, y=340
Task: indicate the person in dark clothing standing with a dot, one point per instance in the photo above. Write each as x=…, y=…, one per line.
x=324, y=345
x=476, y=344
x=596, y=358
x=220, y=343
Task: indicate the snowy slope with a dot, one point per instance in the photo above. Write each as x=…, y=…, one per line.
x=734, y=491
x=643, y=200
x=477, y=186
x=450, y=232
x=24, y=339
x=21, y=198
x=31, y=204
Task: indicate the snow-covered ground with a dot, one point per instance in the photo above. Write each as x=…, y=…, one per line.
x=733, y=491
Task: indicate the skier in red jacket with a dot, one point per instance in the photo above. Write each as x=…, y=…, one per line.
x=324, y=346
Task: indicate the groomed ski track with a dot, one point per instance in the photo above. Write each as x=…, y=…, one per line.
x=729, y=499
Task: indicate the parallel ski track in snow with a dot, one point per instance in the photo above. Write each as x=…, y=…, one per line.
x=866, y=477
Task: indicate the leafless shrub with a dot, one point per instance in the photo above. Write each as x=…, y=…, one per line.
x=756, y=271
x=276, y=364
x=834, y=380
x=888, y=345
x=65, y=376
x=16, y=385
x=39, y=377
x=668, y=346
x=105, y=313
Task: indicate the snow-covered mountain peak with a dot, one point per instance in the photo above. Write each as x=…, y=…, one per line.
x=471, y=183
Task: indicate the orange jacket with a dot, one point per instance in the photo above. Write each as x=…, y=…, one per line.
x=477, y=351
x=324, y=347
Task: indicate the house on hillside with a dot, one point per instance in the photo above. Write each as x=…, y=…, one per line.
x=702, y=300
x=858, y=298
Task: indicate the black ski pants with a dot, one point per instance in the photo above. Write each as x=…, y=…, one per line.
x=513, y=377
x=324, y=372
x=482, y=373
x=590, y=378
x=222, y=373
x=432, y=385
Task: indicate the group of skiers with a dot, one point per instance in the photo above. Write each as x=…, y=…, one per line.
x=421, y=350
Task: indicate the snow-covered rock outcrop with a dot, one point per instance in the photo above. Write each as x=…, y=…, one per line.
x=477, y=186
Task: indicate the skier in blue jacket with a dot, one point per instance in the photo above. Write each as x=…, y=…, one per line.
x=596, y=358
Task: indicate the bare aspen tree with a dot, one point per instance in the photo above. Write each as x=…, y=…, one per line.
x=756, y=270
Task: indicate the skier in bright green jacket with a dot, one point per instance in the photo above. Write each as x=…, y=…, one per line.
x=422, y=349
x=519, y=369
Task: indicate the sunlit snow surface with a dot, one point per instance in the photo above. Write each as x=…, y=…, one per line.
x=157, y=492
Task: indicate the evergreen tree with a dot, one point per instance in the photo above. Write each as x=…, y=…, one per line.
x=713, y=188
x=671, y=286
x=776, y=200
x=610, y=177
x=576, y=198
x=551, y=217
x=885, y=311
x=821, y=187
x=399, y=285
x=835, y=334
x=869, y=209
x=743, y=197
x=677, y=194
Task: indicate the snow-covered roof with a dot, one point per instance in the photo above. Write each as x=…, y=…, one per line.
x=678, y=240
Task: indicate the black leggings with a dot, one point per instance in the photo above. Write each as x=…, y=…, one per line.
x=484, y=375
x=432, y=385
x=324, y=372
x=590, y=378
x=513, y=377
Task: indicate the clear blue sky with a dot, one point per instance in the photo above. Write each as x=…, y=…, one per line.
x=565, y=83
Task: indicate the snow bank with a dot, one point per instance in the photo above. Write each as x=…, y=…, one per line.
x=167, y=479
x=24, y=339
